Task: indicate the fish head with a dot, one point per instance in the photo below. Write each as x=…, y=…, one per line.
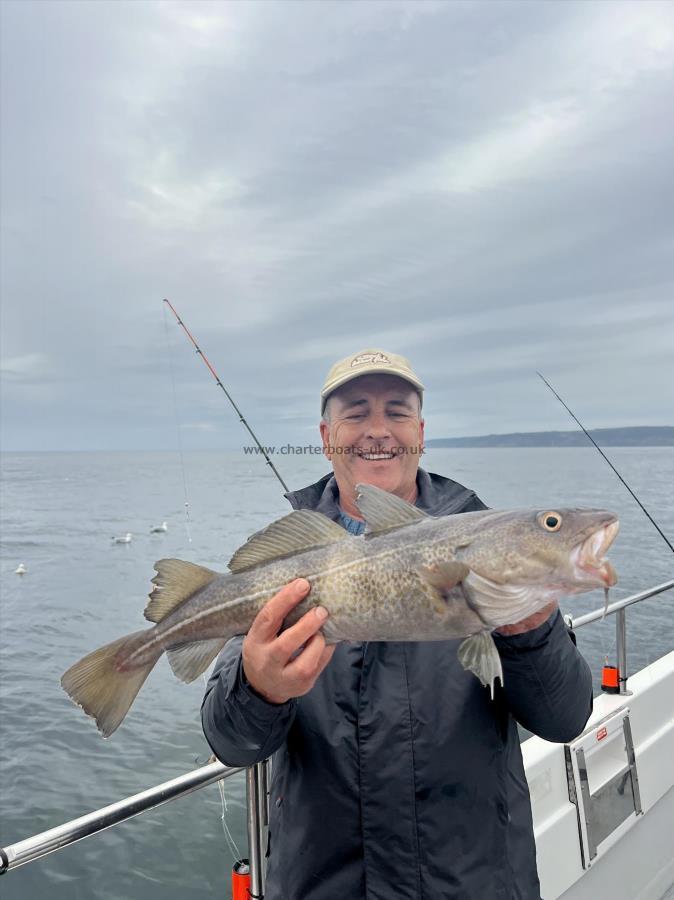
x=530, y=557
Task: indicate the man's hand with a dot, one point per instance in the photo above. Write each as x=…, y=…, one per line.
x=530, y=622
x=268, y=661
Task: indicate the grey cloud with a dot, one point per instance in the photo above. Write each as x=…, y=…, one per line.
x=485, y=187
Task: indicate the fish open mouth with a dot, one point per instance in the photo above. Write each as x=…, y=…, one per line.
x=589, y=556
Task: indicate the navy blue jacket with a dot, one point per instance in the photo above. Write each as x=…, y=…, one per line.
x=397, y=777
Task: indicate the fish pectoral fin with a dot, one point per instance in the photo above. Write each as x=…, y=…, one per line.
x=442, y=579
x=478, y=654
x=188, y=661
x=445, y=576
x=175, y=581
x=301, y=530
x=383, y=511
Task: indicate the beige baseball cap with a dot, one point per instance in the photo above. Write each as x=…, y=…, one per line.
x=367, y=362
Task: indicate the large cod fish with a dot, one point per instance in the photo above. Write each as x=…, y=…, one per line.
x=410, y=577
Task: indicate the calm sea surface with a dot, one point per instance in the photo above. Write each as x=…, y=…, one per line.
x=59, y=512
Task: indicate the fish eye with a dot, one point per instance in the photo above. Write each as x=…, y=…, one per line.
x=551, y=521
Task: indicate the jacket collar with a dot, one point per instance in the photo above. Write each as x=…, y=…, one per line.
x=437, y=495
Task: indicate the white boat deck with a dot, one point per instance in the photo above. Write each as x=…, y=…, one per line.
x=636, y=861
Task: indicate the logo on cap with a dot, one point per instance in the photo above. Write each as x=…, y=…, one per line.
x=370, y=359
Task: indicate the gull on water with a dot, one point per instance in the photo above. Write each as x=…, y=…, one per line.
x=123, y=538
x=159, y=529
x=21, y=570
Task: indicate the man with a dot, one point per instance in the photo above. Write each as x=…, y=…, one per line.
x=395, y=775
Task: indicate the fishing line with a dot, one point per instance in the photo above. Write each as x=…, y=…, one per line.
x=178, y=430
x=589, y=436
x=233, y=849
x=219, y=383
x=229, y=837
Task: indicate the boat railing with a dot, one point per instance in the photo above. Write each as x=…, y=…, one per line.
x=618, y=609
x=257, y=780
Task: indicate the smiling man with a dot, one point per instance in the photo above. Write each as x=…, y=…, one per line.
x=373, y=433
x=396, y=776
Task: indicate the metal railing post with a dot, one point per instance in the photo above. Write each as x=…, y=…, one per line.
x=267, y=785
x=621, y=649
x=254, y=805
x=263, y=816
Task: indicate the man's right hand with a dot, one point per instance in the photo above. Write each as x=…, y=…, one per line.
x=268, y=661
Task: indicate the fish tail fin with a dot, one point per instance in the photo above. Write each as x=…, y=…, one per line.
x=105, y=683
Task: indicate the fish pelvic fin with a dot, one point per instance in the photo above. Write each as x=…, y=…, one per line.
x=478, y=654
x=188, y=661
x=105, y=683
x=176, y=580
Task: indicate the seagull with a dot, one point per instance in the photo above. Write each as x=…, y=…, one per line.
x=159, y=529
x=21, y=570
x=123, y=539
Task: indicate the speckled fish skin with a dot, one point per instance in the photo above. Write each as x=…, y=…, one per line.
x=374, y=589
x=412, y=578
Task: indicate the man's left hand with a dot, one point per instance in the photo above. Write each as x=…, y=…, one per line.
x=530, y=622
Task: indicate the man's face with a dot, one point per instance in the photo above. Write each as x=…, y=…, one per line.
x=375, y=435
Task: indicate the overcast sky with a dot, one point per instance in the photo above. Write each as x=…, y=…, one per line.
x=485, y=188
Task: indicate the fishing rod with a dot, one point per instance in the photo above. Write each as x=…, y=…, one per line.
x=227, y=394
x=242, y=878
x=589, y=436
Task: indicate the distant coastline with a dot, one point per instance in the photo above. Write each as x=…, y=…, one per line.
x=640, y=436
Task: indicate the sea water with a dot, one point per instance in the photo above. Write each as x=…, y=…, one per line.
x=59, y=514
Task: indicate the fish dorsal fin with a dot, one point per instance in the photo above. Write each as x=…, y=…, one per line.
x=298, y=531
x=383, y=511
x=175, y=581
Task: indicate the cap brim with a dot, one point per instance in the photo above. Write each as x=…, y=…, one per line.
x=368, y=370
